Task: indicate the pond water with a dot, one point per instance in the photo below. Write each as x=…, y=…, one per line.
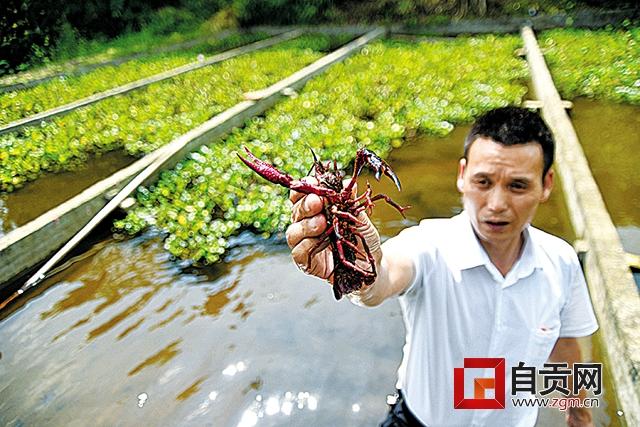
x=610, y=136
x=250, y=339
x=127, y=335
x=37, y=197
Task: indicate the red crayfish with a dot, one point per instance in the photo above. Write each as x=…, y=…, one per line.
x=341, y=209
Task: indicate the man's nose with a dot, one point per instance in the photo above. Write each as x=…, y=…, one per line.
x=498, y=199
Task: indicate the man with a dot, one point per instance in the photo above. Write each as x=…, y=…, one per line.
x=481, y=284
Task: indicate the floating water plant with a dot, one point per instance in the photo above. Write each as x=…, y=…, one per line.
x=374, y=99
x=146, y=119
x=598, y=64
x=61, y=90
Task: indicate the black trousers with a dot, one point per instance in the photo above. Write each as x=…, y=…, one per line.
x=400, y=416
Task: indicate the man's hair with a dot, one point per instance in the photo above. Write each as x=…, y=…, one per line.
x=511, y=126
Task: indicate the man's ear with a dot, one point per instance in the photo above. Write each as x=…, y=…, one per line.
x=547, y=186
x=461, y=167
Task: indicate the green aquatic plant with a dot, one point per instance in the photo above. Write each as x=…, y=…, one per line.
x=598, y=64
x=374, y=99
x=146, y=119
x=61, y=90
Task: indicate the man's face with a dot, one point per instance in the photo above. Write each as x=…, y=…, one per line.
x=501, y=188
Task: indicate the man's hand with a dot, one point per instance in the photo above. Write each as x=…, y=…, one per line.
x=568, y=350
x=395, y=268
x=579, y=417
x=307, y=230
x=307, y=224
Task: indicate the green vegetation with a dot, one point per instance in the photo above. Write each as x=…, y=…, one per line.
x=37, y=32
x=23, y=103
x=75, y=52
x=597, y=64
x=373, y=99
x=145, y=119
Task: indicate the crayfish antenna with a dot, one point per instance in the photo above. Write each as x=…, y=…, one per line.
x=315, y=161
x=313, y=153
x=317, y=165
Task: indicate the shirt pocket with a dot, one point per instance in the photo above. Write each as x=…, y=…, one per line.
x=541, y=342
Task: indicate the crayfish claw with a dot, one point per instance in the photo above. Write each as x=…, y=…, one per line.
x=265, y=170
x=378, y=165
x=391, y=174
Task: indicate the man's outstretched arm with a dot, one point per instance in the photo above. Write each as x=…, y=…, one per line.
x=395, y=273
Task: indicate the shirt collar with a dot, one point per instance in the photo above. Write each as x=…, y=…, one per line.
x=472, y=253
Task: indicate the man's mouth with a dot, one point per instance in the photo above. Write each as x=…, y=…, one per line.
x=496, y=224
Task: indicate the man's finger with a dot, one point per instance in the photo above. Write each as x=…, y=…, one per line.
x=309, y=206
x=321, y=262
x=294, y=196
x=305, y=228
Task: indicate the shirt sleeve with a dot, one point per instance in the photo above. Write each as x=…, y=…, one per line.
x=417, y=277
x=410, y=242
x=577, y=317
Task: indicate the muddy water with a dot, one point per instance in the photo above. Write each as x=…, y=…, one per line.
x=610, y=136
x=37, y=197
x=128, y=336
x=252, y=339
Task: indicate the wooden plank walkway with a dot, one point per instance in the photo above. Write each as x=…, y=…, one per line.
x=613, y=290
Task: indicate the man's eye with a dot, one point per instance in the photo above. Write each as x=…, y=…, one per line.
x=482, y=182
x=518, y=185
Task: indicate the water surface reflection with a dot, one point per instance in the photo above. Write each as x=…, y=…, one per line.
x=250, y=339
x=610, y=136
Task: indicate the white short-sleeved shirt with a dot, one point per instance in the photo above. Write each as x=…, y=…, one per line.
x=460, y=306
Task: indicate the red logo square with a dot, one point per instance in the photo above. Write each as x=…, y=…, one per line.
x=480, y=385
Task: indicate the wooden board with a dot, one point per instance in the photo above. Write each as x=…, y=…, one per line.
x=613, y=290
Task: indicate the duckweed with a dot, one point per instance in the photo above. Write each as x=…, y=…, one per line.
x=597, y=64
